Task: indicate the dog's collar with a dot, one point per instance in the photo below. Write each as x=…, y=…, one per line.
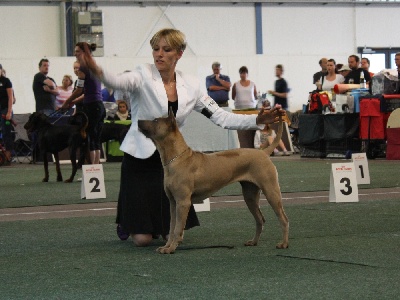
x=179, y=155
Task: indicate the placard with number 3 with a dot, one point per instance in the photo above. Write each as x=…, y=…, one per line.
x=343, y=183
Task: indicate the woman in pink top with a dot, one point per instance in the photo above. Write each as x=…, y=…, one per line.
x=64, y=91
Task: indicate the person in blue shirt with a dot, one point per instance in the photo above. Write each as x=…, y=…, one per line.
x=108, y=94
x=218, y=85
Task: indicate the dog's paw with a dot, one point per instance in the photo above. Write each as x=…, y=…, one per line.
x=68, y=180
x=165, y=250
x=59, y=179
x=282, y=246
x=250, y=243
x=45, y=179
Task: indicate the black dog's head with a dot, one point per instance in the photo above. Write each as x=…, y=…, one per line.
x=80, y=119
x=36, y=121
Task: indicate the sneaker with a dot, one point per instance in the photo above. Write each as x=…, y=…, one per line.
x=286, y=153
x=123, y=236
x=79, y=179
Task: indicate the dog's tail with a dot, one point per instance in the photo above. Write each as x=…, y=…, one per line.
x=278, y=137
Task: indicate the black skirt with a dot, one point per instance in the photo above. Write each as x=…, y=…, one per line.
x=143, y=206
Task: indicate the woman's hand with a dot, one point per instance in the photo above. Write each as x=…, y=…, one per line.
x=268, y=116
x=85, y=58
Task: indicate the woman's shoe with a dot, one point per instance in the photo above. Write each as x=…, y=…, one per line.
x=123, y=236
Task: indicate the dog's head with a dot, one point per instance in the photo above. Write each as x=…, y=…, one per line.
x=35, y=121
x=158, y=128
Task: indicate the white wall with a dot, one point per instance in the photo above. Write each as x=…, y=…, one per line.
x=295, y=36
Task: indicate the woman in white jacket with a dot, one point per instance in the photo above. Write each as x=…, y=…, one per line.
x=143, y=207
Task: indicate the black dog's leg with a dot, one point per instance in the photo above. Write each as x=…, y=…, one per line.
x=58, y=169
x=83, y=154
x=46, y=168
x=72, y=156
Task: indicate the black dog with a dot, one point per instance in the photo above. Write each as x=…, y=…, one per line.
x=113, y=131
x=55, y=138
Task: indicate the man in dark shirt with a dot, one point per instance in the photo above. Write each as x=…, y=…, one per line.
x=317, y=76
x=6, y=103
x=354, y=75
x=218, y=85
x=44, y=89
x=397, y=62
x=281, y=88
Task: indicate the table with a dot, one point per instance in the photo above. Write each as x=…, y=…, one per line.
x=246, y=137
x=199, y=133
x=322, y=135
x=203, y=135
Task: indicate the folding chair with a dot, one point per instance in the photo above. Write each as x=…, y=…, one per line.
x=23, y=146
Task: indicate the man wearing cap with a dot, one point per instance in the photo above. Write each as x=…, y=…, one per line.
x=44, y=89
x=354, y=63
x=218, y=85
x=322, y=63
x=6, y=103
x=344, y=70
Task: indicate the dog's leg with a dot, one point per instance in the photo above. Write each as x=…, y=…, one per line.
x=58, y=168
x=274, y=197
x=82, y=155
x=251, y=194
x=46, y=168
x=72, y=156
x=181, y=208
x=172, y=210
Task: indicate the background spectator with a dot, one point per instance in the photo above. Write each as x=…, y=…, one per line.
x=44, y=89
x=281, y=88
x=218, y=85
x=329, y=80
x=244, y=91
x=6, y=103
x=64, y=91
x=365, y=64
x=322, y=63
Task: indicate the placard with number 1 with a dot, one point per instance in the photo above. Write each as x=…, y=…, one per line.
x=362, y=170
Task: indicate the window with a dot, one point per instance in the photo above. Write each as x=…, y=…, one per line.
x=380, y=58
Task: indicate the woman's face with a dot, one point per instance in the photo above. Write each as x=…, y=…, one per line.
x=330, y=66
x=243, y=76
x=78, y=53
x=66, y=82
x=76, y=68
x=165, y=57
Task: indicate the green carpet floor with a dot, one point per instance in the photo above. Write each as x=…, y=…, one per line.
x=337, y=251
x=23, y=187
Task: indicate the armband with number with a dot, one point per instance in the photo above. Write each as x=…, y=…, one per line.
x=210, y=106
x=80, y=83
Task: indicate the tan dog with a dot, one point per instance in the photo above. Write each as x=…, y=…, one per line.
x=190, y=177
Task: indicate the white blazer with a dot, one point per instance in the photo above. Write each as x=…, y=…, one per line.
x=149, y=101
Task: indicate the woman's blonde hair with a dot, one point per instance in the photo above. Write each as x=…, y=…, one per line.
x=174, y=38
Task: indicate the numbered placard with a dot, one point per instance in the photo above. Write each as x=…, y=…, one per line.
x=205, y=206
x=343, y=183
x=92, y=186
x=362, y=170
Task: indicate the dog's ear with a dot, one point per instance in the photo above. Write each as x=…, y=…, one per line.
x=171, y=117
x=171, y=113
